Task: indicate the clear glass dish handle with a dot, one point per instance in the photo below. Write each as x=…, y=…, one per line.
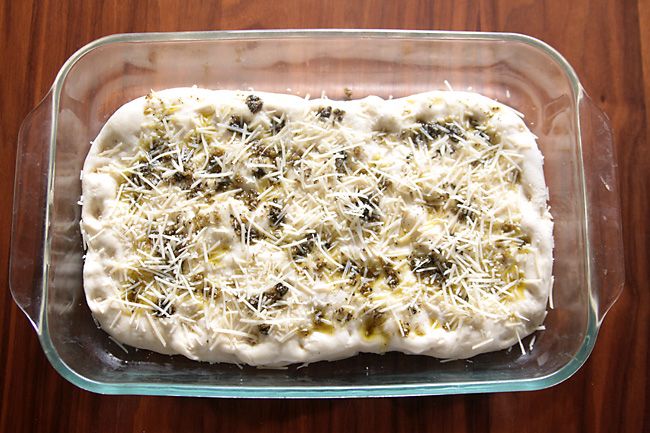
x=27, y=256
x=603, y=207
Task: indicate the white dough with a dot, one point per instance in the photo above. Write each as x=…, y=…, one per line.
x=270, y=230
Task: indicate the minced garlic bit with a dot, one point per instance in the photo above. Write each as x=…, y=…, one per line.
x=268, y=229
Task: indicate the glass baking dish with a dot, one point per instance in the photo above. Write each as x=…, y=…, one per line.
x=574, y=135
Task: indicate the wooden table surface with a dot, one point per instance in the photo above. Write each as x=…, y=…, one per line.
x=608, y=44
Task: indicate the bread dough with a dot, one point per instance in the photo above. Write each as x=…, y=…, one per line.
x=268, y=229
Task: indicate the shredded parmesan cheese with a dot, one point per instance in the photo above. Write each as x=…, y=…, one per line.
x=268, y=229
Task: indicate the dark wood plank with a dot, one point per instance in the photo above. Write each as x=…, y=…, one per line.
x=606, y=41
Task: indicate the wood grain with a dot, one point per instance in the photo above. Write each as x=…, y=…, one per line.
x=608, y=44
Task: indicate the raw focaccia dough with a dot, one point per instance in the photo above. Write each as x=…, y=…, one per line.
x=268, y=229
